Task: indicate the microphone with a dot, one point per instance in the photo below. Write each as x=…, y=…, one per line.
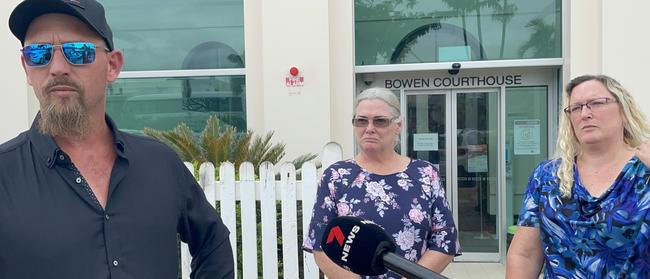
x=364, y=248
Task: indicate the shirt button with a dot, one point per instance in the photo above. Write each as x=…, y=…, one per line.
x=107, y=217
x=115, y=263
x=78, y=180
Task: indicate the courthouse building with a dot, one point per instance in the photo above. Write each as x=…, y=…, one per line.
x=479, y=82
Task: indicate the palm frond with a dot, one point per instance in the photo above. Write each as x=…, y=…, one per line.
x=298, y=161
x=275, y=153
x=258, y=148
x=224, y=142
x=183, y=138
x=209, y=138
x=241, y=148
x=180, y=139
x=219, y=142
x=159, y=136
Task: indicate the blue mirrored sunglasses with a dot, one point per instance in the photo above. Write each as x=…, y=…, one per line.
x=76, y=53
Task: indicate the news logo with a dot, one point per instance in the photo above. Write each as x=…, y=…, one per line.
x=337, y=234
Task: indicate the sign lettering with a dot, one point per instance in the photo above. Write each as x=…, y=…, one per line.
x=473, y=81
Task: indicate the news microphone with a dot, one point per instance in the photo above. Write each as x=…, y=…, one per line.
x=364, y=248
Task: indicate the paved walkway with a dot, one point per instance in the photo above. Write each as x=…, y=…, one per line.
x=475, y=270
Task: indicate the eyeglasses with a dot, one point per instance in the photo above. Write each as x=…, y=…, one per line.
x=76, y=53
x=379, y=122
x=593, y=105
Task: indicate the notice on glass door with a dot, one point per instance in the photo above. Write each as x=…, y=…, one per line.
x=478, y=163
x=527, y=139
x=425, y=142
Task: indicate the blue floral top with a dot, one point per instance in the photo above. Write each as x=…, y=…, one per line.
x=410, y=205
x=587, y=237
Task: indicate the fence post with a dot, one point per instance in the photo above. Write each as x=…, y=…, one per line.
x=248, y=220
x=207, y=181
x=332, y=153
x=309, y=184
x=289, y=221
x=228, y=210
x=269, y=228
x=186, y=258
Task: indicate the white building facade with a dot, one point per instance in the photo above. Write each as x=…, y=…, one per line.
x=480, y=85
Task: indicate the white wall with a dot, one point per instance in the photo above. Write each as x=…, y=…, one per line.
x=585, y=49
x=341, y=20
x=625, y=42
x=611, y=37
x=13, y=88
x=294, y=33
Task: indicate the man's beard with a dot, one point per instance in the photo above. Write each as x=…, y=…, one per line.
x=63, y=116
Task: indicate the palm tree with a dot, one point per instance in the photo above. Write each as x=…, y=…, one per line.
x=462, y=8
x=542, y=40
x=502, y=13
x=219, y=142
x=374, y=40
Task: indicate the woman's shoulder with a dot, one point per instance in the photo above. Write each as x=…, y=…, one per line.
x=343, y=167
x=348, y=163
x=546, y=172
x=548, y=166
x=422, y=168
x=419, y=163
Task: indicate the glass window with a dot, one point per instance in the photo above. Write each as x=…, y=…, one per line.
x=163, y=35
x=162, y=103
x=419, y=31
x=526, y=141
x=178, y=36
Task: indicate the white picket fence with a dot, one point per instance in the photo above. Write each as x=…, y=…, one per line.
x=247, y=190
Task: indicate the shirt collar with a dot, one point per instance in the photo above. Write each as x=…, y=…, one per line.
x=48, y=151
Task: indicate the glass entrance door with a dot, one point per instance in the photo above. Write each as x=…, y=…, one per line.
x=458, y=131
x=476, y=196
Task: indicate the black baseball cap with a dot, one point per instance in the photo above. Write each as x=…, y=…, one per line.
x=90, y=12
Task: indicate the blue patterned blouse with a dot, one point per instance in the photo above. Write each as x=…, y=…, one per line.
x=588, y=237
x=410, y=205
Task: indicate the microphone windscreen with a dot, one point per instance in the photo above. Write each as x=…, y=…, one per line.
x=357, y=245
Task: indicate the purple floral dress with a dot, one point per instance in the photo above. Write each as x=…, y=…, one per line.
x=410, y=205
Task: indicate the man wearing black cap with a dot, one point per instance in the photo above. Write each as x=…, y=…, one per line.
x=79, y=198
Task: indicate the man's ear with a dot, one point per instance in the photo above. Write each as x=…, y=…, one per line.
x=115, y=62
x=22, y=62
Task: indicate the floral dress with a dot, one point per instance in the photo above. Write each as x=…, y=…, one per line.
x=410, y=205
x=588, y=237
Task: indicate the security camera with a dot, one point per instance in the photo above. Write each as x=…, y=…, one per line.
x=455, y=68
x=368, y=78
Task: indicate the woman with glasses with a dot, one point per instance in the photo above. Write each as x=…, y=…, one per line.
x=403, y=195
x=586, y=213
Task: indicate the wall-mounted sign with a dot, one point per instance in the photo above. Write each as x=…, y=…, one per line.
x=292, y=81
x=527, y=140
x=442, y=82
x=425, y=142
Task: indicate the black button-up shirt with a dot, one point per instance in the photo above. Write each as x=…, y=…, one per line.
x=51, y=226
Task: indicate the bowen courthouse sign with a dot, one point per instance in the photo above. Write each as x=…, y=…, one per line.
x=453, y=81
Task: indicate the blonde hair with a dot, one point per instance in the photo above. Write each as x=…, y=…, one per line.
x=636, y=128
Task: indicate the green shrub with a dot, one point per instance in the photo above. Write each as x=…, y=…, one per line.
x=219, y=143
